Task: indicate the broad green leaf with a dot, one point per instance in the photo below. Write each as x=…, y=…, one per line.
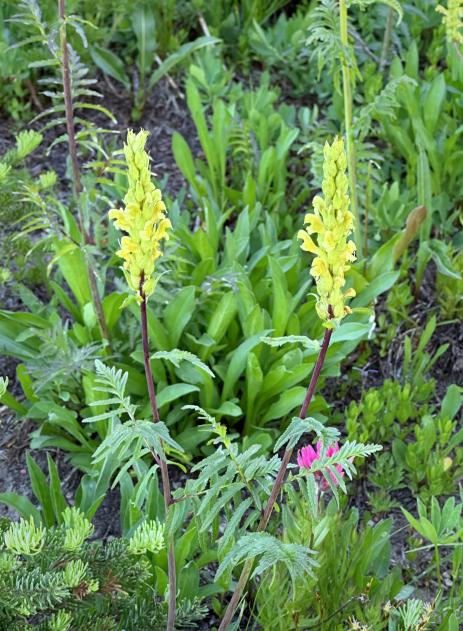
x=22, y=505
x=223, y=316
x=433, y=102
x=254, y=380
x=41, y=490
x=280, y=310
x=178, y=313
x=287, y=402
x=180, y=55
x=383, y=259
x=237, y=363
x=349, y=331
x=423, y=526
x=112, y=308
x=174, y=392
x=424, y=188
x=379, y=285
x=452, y=401
x=110, y=64
x=26, y=382
x=144, y=26
x=72, y=265
x=66, y=302
x=184, y=159
x=228, y=408
x=58, y=501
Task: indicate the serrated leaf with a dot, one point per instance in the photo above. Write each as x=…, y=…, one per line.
x=306, y=342
x=177, y=356
x=298, y=427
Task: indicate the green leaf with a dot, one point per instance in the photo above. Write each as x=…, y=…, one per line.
x=90, y=494
x=112, y=308
x=66, y=302
x=177, y=356
x=286, y=403
x=270, y=551
x=238, y=361
x=144, y=26
x=280, y=310
x=350, y=331
x=424, y=188
x=393, y=4
x=306, y=342
x=184, y=159
x=174, y=392
x=228, y=408
x=452, y=401
x=22, y=505
x=232, y=526
x=423, y=526
x=379, y=285
x=179, y=312
x=180, y=55
x=383, y=259
x=110, y=64
x=298, y=427
x=26, y=382
x=58, y=501
x=41, y=490
x=433, y=102
x=438, y=250
x=223, y=316
x=72, y=265
x=254, y=381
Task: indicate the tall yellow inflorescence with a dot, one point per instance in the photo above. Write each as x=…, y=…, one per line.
x=332, y=223
x=143, y=219
x=453, y=20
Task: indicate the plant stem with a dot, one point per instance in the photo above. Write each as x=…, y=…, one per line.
x=163, y=463
x=76, y=181
x=386, y=39
x=350, y=147
x=438, y=573
x=247, y=568
x=69, y=108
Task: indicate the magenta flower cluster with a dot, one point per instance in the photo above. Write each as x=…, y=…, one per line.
x=308, y=455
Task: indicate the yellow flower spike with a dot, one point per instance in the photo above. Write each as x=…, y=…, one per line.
x=143, y=219
x=453, y=20
x=332, y=222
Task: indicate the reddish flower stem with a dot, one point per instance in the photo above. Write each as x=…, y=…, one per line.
x=162, y=463
x=247, y=568
x=76, y=181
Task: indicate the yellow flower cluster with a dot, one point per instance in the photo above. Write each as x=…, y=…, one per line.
x=332, y=222
x=143, y=219
x=453, y=20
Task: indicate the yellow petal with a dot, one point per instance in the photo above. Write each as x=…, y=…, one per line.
x=307, y=243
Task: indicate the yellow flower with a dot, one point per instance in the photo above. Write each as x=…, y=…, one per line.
x=143, y=219
x=453, y=20
x=332, y=223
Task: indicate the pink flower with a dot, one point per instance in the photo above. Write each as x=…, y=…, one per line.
x=307, y=456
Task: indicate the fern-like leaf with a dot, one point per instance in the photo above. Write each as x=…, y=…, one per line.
x=298, y=427
x=297, y=559
x=177, y=356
